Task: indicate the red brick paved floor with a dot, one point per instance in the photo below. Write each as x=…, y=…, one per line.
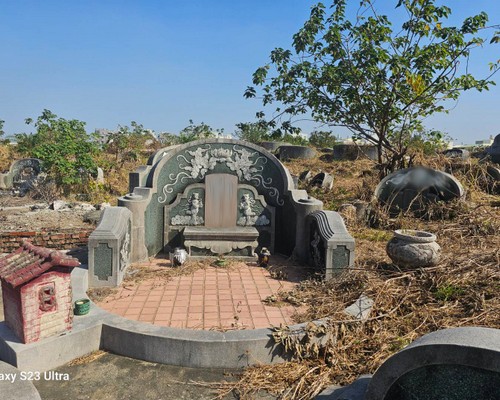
x=211, y=298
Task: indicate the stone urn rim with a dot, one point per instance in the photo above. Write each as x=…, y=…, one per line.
x=415, y=236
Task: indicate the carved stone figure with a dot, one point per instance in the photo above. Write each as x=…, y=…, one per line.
x=315, y=251
x=125, y=251
x=246, y=204
x=194, y=206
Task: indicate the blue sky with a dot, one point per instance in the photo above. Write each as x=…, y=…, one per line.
x=161, y=63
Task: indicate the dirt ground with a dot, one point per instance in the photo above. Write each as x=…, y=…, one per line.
x=113, y=377
x=16, y=214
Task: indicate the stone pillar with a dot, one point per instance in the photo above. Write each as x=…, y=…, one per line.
x=137, y=204
x=303, y=208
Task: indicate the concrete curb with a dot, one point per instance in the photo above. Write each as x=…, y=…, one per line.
x=20, y=389
x=102, y=330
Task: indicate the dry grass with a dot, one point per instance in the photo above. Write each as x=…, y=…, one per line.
x=462, y=290
x=87, y=358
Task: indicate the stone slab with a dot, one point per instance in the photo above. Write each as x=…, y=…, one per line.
x=473, y=348
x=354, y=391
x=18, y=388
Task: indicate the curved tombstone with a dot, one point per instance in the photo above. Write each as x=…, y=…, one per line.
x=461, y=154
x=289, y=152
x=21, y=175
x=414, y=188
x=494, y=150
x=453, y=364
x=214, y=196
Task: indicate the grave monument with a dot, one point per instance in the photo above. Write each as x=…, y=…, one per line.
x=212, y=197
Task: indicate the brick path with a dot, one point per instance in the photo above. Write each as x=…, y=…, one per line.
x=210, y=298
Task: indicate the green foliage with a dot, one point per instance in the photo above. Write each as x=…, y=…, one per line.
x=322, y=139
x=2, y=132
x=428, y=142
x=64, y=147
x=294, y=138
x=377, y=80
x=448, y=292
x=201, y=131
x=168, y=139
x=253, y=132
x=127, y=143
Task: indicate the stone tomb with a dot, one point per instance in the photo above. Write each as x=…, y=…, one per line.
x=415, y=188
x=213, y=197
x=494, y=150
x=21, y=175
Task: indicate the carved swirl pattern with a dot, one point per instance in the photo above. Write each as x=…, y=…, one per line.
x=195, y=165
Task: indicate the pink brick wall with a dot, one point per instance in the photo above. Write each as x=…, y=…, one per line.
x=39, y=324
x=12, y=310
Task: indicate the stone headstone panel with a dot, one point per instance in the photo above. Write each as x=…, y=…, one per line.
x=453, y=364
x=100, y=176
x=414, y=188
x=494, y=150
x=221, y=198
x=289, y=152
x=110, y=247
x=178, y=167
x=331, y=247
x=461, y=154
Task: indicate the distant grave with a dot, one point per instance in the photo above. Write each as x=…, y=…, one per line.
x=353, y=152
x=415, y=188
x=460, y=154
x=21, y=175
x=494, y=150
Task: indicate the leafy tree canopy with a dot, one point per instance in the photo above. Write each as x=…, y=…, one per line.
x=322, y=139
x=377, y=79
x=200, y=131
x=64, y=147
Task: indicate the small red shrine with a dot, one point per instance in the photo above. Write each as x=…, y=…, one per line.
x=36, y=291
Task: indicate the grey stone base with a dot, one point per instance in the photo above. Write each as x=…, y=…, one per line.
x=232, y=242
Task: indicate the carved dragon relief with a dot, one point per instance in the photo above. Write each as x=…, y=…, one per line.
x=239, y=160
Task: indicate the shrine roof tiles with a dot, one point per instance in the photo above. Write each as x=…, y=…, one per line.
x=29, y=262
